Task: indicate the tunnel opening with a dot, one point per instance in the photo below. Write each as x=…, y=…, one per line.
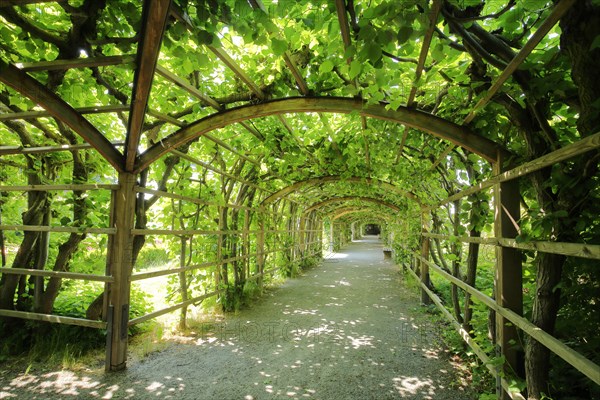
x=372, y=229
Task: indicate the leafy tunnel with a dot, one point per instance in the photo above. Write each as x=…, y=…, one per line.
x=244, y=138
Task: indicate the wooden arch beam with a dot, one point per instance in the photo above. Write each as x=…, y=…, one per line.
x=335, y=178
x=154, y=22
x=439, y=127
x=324, y=203
x=344, y=212
x=61, y=110
x=364, y=219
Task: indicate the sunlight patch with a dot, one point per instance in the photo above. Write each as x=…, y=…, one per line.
x=411, y=385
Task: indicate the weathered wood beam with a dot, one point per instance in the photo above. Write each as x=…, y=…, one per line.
x=206, y=100
x=340, y=6
x=59, y=274
x=26, y=85
x=57, y=319
x=363, y=121
x=509, y=270
x=221, y=143
x=182, y=83
x=75, y=63
x=372, y=182
x=239, y=71
x=45, y=113
x=166, y=118
x=574, y=149
x=431, y=124
x=466, y=336
x=583, y=250
x=557, y=12
x=581, y=363
x=14, y=3
x=324, y=203
x=258, y=4
x=45, y=188
x=343, y=212
x=402, y=143
x=217, y=170
x=302, y=86
x=442, y=156
x=65, y=229
x=154, y=22
x=181, y=16
x=436, y=6
x=120, y=265
x=15, y=150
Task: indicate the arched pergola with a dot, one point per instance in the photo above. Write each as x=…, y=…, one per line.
x=332, y=179
x=238, y=127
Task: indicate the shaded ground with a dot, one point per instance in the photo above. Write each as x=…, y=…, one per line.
x=345, y=330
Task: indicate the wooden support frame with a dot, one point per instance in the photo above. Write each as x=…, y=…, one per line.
x=46, y=188
x=583, y=146
x=508, y=303
x=582, y=364
x=25, y=115
x=424, y=266
x=120, y=266
x=558, y=11
x=154, y=22
x=218, y=171
x=333, y=200
x=582, y=250
x=14, y=3
x=57, y=319
x=64, y=229
x=26, y=85
x=187, y=198
x=436, y=6
x=509, y=271
x=260, y=245
x=431, y=124
x=466, y=337
x=55, y=65
x=333, y=179
x=182, y=83
x=57, y=274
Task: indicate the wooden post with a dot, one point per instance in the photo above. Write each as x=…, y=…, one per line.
x=425, y=221
x=302, y=236
x=260, y=245
x=331, y=237
x=121, y=265
x=509, y=274
x=246, y=244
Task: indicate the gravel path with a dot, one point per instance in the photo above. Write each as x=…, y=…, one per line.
x=345, y=330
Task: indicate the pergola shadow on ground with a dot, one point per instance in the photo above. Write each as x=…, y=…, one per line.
x=243, y=141
x=348, y=328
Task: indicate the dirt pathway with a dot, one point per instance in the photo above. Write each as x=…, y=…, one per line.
x=345, y=330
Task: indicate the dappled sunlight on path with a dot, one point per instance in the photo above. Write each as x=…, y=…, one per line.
x=345, y=330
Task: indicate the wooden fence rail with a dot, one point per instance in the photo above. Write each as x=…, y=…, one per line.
x=63, y=229
x=582, y=146
x=485, y=359
x=58, y=319
x=582, y=250
x=56, y=274
x=582, y=364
